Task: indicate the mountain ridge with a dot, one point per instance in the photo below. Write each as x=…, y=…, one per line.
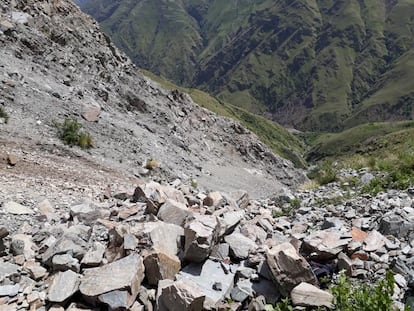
x=314, y=65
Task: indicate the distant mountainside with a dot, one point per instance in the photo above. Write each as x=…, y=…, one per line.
x=314, y=64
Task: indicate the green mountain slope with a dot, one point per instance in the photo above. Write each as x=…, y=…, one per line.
x=311, y=64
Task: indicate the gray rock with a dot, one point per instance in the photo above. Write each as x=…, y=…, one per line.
x=182, y=295
x=308, y=295
x=9, y=290
x=374, y=241
x=20, y=17
x=220, y=251
x=65, y=262
x=240, y=246
x=229, y=221
x=63, y=286
x=242, y=291
x=7, y=269
x=94, y=255
x=116, y=300
x=72, y=245
x=17, y=209
x=395, y=225
x=206, y=276
x=161, y=266
x=125, y=274
x=200, y=237
x=325, y=244
x=173, y=212
x=288, y=268
x=213, y=199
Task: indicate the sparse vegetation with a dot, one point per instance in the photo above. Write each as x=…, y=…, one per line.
x=4, y=115
x=70, y=133
x=349, y=296
x=151, y=164
x=324, y=173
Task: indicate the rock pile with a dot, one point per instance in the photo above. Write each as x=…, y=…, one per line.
x=166, y=247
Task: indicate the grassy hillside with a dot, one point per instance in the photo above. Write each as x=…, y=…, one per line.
x=315, y=64
x=368, y=139
x=273, y=135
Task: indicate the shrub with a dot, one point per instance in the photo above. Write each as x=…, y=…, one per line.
x=324, y=174
x=151, y=164
x=4, y=115
x=70, y=133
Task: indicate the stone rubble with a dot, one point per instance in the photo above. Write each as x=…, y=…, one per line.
x=209, y=259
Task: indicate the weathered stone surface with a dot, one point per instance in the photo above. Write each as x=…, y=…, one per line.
x=214, y=199
x=358, y=235
x=229, y=221
x=155, y=194
x=6, y=269
x=240, y=246
x=87, y=213
x=395, y=225
x=91, y=112
x=94, y=255
x=206, y=276
x=65, y=262
x=160, y=266
x=308, y=295
x=17, y=209
x=164, y=237
x=288, y=268
x=182, y=295
x=374, y=241
x=71, y=244
x=22, y=244
x=9, y=290
x=63, y=286
x=35, y=270
x=125, y=274
x=173, y=212
x=325, y=244
x=200, y=237
x=115, y=300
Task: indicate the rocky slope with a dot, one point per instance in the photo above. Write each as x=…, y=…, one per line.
x=315, y=65
x=55, y=64
x=172, y=247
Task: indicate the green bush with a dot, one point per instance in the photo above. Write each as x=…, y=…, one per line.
x=352, y=297
x=324, y=173
x=4, y=115
x=70, y=133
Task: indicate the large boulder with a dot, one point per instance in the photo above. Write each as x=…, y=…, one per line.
x=200, y=236
x=123, y=276
x=307, y=295
x=173, y=212
x=161, y=266
x=63, y=286
x=182, y=295
x=289, y=268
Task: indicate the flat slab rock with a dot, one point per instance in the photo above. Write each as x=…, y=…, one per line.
x=307, y=295
x=125, y=274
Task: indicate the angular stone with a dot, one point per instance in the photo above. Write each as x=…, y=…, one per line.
x=229, y=221
x=116, y=300
x=86, y=213
x=35, y=270
x=72, y=245
x=214, y=199
x=91, y=112
x=307, y=295
x=9, y=290
x=374, y=241
x=155, y=195
x=46, y=209
x=324, y=244
x=65, y=262
x=160, y=266
x=200, y=237
x=11, y=160
x=182, y=295
x=396, y=226
x=358, y=235
x=17, y=209
x=173, y=212
x=165, y=237
x=94, y=255
x=22, y=244
x=3, y=232
x=7, y=269
x=206, y=276
x=240, y=246
x=63, y=286
x=288, y=268
x=242, y=291
x=125, y=275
